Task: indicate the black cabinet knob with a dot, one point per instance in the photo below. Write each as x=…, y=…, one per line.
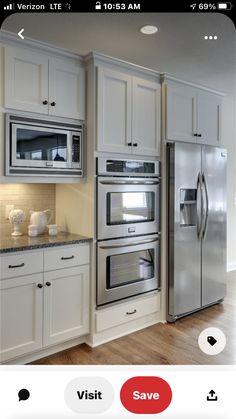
x=40, y=285
x=129, y=144
x=199, y=135
x=48, y=284
x=195, y=134
x=53, y=103
x=45, y=102
x=135, y=144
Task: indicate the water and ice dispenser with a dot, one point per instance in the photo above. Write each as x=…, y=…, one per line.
x=188, y=207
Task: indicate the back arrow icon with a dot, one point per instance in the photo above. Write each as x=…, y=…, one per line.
x=20, y=34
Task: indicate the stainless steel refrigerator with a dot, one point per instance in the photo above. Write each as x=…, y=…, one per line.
x=196, y=227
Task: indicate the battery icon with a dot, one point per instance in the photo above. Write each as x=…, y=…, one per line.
x=224, y=6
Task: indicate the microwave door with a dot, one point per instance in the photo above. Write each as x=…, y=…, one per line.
x=40, y=147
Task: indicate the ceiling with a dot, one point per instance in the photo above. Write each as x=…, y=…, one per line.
x=179, y=46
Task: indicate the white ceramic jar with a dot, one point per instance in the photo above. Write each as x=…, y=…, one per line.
x=33, y=230
x=52, y=229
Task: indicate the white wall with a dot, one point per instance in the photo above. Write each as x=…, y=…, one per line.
x=229, y=141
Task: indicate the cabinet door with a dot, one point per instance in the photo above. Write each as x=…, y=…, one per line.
x=209, y=118
x=26, y=80
x=181, y=113
x=66, y=89
x=66, y=304
x=146, y=117
x=113, y=111
x=21, y=315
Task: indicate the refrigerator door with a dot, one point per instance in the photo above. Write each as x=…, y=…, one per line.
x=184, y=231
x=214, y=224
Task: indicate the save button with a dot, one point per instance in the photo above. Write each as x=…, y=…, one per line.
x=145, y=395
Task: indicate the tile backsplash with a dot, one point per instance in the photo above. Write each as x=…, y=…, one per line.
x=37, y=197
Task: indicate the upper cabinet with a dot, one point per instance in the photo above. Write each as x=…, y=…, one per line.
x=209, y=118
x=191, y=114
x=128, y=113
x=35, y=82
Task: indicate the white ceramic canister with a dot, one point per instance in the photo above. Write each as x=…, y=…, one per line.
x=33, y=230
x=52, y=229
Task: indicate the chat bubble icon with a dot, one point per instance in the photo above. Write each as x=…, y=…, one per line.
x=23, y=394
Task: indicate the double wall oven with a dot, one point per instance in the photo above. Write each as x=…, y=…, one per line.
x=128, y=224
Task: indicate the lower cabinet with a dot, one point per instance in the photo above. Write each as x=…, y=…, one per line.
x=21, y=315
x=66, y=304
x=45, y=308
x=110, y=317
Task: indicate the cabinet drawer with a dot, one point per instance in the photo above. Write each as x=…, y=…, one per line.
x=114, y=316
x=21, y=264
x=66, y=257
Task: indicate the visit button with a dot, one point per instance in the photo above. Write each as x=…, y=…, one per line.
x=145, y=395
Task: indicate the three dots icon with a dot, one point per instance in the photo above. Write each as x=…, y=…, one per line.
x=211, y=37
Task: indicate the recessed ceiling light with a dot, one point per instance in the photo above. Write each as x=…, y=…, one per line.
x=148, y=29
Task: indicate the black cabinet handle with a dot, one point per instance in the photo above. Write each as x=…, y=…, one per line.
x=131, y=312
x=53, y=103
x=40, y=285
x=129, y=144
x=45, y=102
x=16, y=266
x=135, y=144
x=195, y=134
x=199, y=135
x=48, y=284
x=69, y=257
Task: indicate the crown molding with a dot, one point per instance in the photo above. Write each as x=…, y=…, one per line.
x=166, y=77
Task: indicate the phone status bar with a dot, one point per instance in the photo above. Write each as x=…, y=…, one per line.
x=98, y=6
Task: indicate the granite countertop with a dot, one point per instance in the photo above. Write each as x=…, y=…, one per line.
x=13, y=244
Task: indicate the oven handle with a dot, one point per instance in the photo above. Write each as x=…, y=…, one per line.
x=115, y=246
x=129, y=182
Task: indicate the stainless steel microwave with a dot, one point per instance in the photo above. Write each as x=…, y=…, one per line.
x=38, y=147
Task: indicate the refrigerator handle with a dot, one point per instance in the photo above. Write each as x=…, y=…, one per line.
x=206, y=210
x=199, y=206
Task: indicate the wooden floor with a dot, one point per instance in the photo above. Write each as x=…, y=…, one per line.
x=163, y=343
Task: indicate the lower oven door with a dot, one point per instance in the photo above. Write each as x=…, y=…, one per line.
x=127, y=267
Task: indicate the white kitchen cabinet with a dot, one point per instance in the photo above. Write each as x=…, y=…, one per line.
x=66, y=89
x=181, y=113
x=209, y=118
x=146, y=117
x=114, y=111
x=21, y=264
x=66, y=304
x=36, y=82
x=128, y=114
x=66, y=257
x=26, y=80
x=45, y=308
x=21, y=315
x=192, y=114
x=110, y=317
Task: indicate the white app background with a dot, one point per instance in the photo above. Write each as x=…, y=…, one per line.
x=190, y=387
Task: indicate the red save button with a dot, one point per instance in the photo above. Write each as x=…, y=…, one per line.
x=145, y=395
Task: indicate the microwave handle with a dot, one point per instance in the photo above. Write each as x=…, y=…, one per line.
x=115, y=246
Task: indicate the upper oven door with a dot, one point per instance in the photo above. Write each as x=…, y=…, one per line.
x=127, y=207
x=35, y=146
